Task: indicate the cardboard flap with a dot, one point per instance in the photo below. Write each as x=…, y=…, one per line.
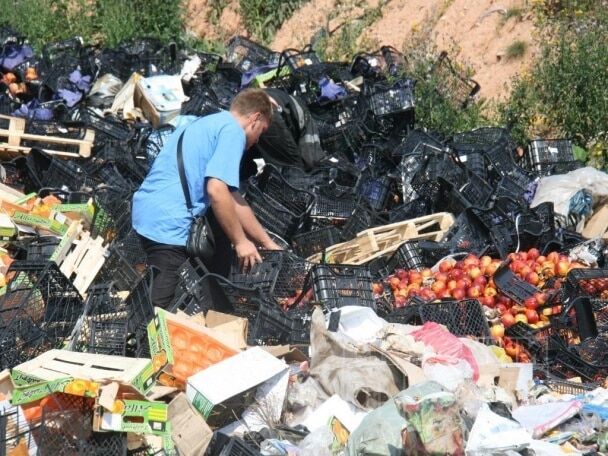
x=190, y=432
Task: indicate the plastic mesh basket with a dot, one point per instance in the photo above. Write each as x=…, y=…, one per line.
x=112, y=216
x=245, y=54
x=462, y=318
x=37, y=313
x=311, y=242
x=451, y=84
x=551, y=156
x=337, y=286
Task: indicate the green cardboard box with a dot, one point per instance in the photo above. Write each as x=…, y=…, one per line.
x=81, y=374
x=137, y=416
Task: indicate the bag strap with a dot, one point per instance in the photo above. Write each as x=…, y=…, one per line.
x=182, y=171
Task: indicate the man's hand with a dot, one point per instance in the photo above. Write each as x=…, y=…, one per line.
x=247, y=254
x=271, y=245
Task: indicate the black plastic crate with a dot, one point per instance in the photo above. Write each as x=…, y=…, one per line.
x=120, y=270
x=467, y=234
x=512, y=286
x=474, y=192
x=374, y=189
x=69, y=432
x=246, y=55
x=568, y=363
x=15, y=430
x=362, y=218
x=112, y=216
x=388, y=100
x=407, y=256
x=337, y=286
x=586, y=282
x=223, y=445
x=38, y=312
x=418, y=142
x=102, y=328
x=271, y=214
x=451, y=84
x=276, y=187
x=416, y=208
x=551, y=156
x=262, y=276
x=42, y=248
x=311, y=242
x=292, y=278
x=385, y=61
x=535, y=340
x=273, y=326
x=140, y=312
x=569, y=387
x=105, y=127
x=333, y=204
x=462, y=318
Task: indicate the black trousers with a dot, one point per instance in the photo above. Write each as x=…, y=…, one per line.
x=167, y=259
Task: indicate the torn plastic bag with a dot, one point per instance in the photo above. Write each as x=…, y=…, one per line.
x=104, y=90
x=540, y=419
x=380, y=432
x=449, y=371
x=317, y=443
x=360, y=377
x=562, y=188
x=434, y=424
x=492, y=433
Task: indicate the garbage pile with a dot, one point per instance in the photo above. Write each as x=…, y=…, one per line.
x=435, y=295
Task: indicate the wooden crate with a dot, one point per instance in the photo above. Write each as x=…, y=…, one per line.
x=384, y=240
x=11, y=141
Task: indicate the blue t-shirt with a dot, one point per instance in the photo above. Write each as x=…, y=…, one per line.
x=212, y=147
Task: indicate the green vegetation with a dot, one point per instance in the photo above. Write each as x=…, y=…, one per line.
x=263, y=18
x=516, y=50
x=97, y=21
x=564, y=94
x=513, y=13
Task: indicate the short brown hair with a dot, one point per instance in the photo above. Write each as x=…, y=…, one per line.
x=250, y=101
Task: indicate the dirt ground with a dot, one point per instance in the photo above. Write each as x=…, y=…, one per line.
x=475, y=32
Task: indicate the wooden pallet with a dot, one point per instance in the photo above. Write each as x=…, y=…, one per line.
x=11, y=141
x=383, y=240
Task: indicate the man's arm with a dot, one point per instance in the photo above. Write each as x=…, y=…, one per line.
x=253, y=229
x=224, y=209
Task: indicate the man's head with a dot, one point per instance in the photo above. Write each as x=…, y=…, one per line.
x=253, y=110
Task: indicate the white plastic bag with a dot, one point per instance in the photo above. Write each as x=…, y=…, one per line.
x=448, y=371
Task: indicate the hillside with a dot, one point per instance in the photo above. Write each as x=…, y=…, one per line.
x=477, y=32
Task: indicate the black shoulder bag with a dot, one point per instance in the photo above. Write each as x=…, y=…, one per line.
x=201, y=243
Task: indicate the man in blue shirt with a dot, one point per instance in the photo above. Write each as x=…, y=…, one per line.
x=212, y=149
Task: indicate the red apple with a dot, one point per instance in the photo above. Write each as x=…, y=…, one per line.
x=446, y=265
x=438, y=286
x=524, y=271
x=497, y=331
x=532, y=316
x=553, y=257
x=531, y=303
x=541, y=298
x=474, y=292
x=461, y=283
x=456, y=274
x=480, y=281
x=444, y=294
x=501, y=308
x=532, y=278
x=541, y=259
x=521, y=317
x=471, y=260
x=490, y=291
x=377, y=288
x=426, y=273
x=533, y=253
x=491, y=269
x=458, y=294
x=507, y=320
x=442, y=277
x=402, y=274
x=485, y=261
x=415, y=277
x=451, y=284
x=562, y=268
x=394, y=282
x=488, y=301
x=474, y=272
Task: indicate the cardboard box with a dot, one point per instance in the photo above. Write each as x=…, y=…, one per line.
x=81, y=374
x=597, y=224
x=180, y=347
x=189, y=430
x=133, y=415
x=230, y=379
x=159, y=98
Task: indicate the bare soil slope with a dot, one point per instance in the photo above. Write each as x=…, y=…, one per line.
x=477, y=32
